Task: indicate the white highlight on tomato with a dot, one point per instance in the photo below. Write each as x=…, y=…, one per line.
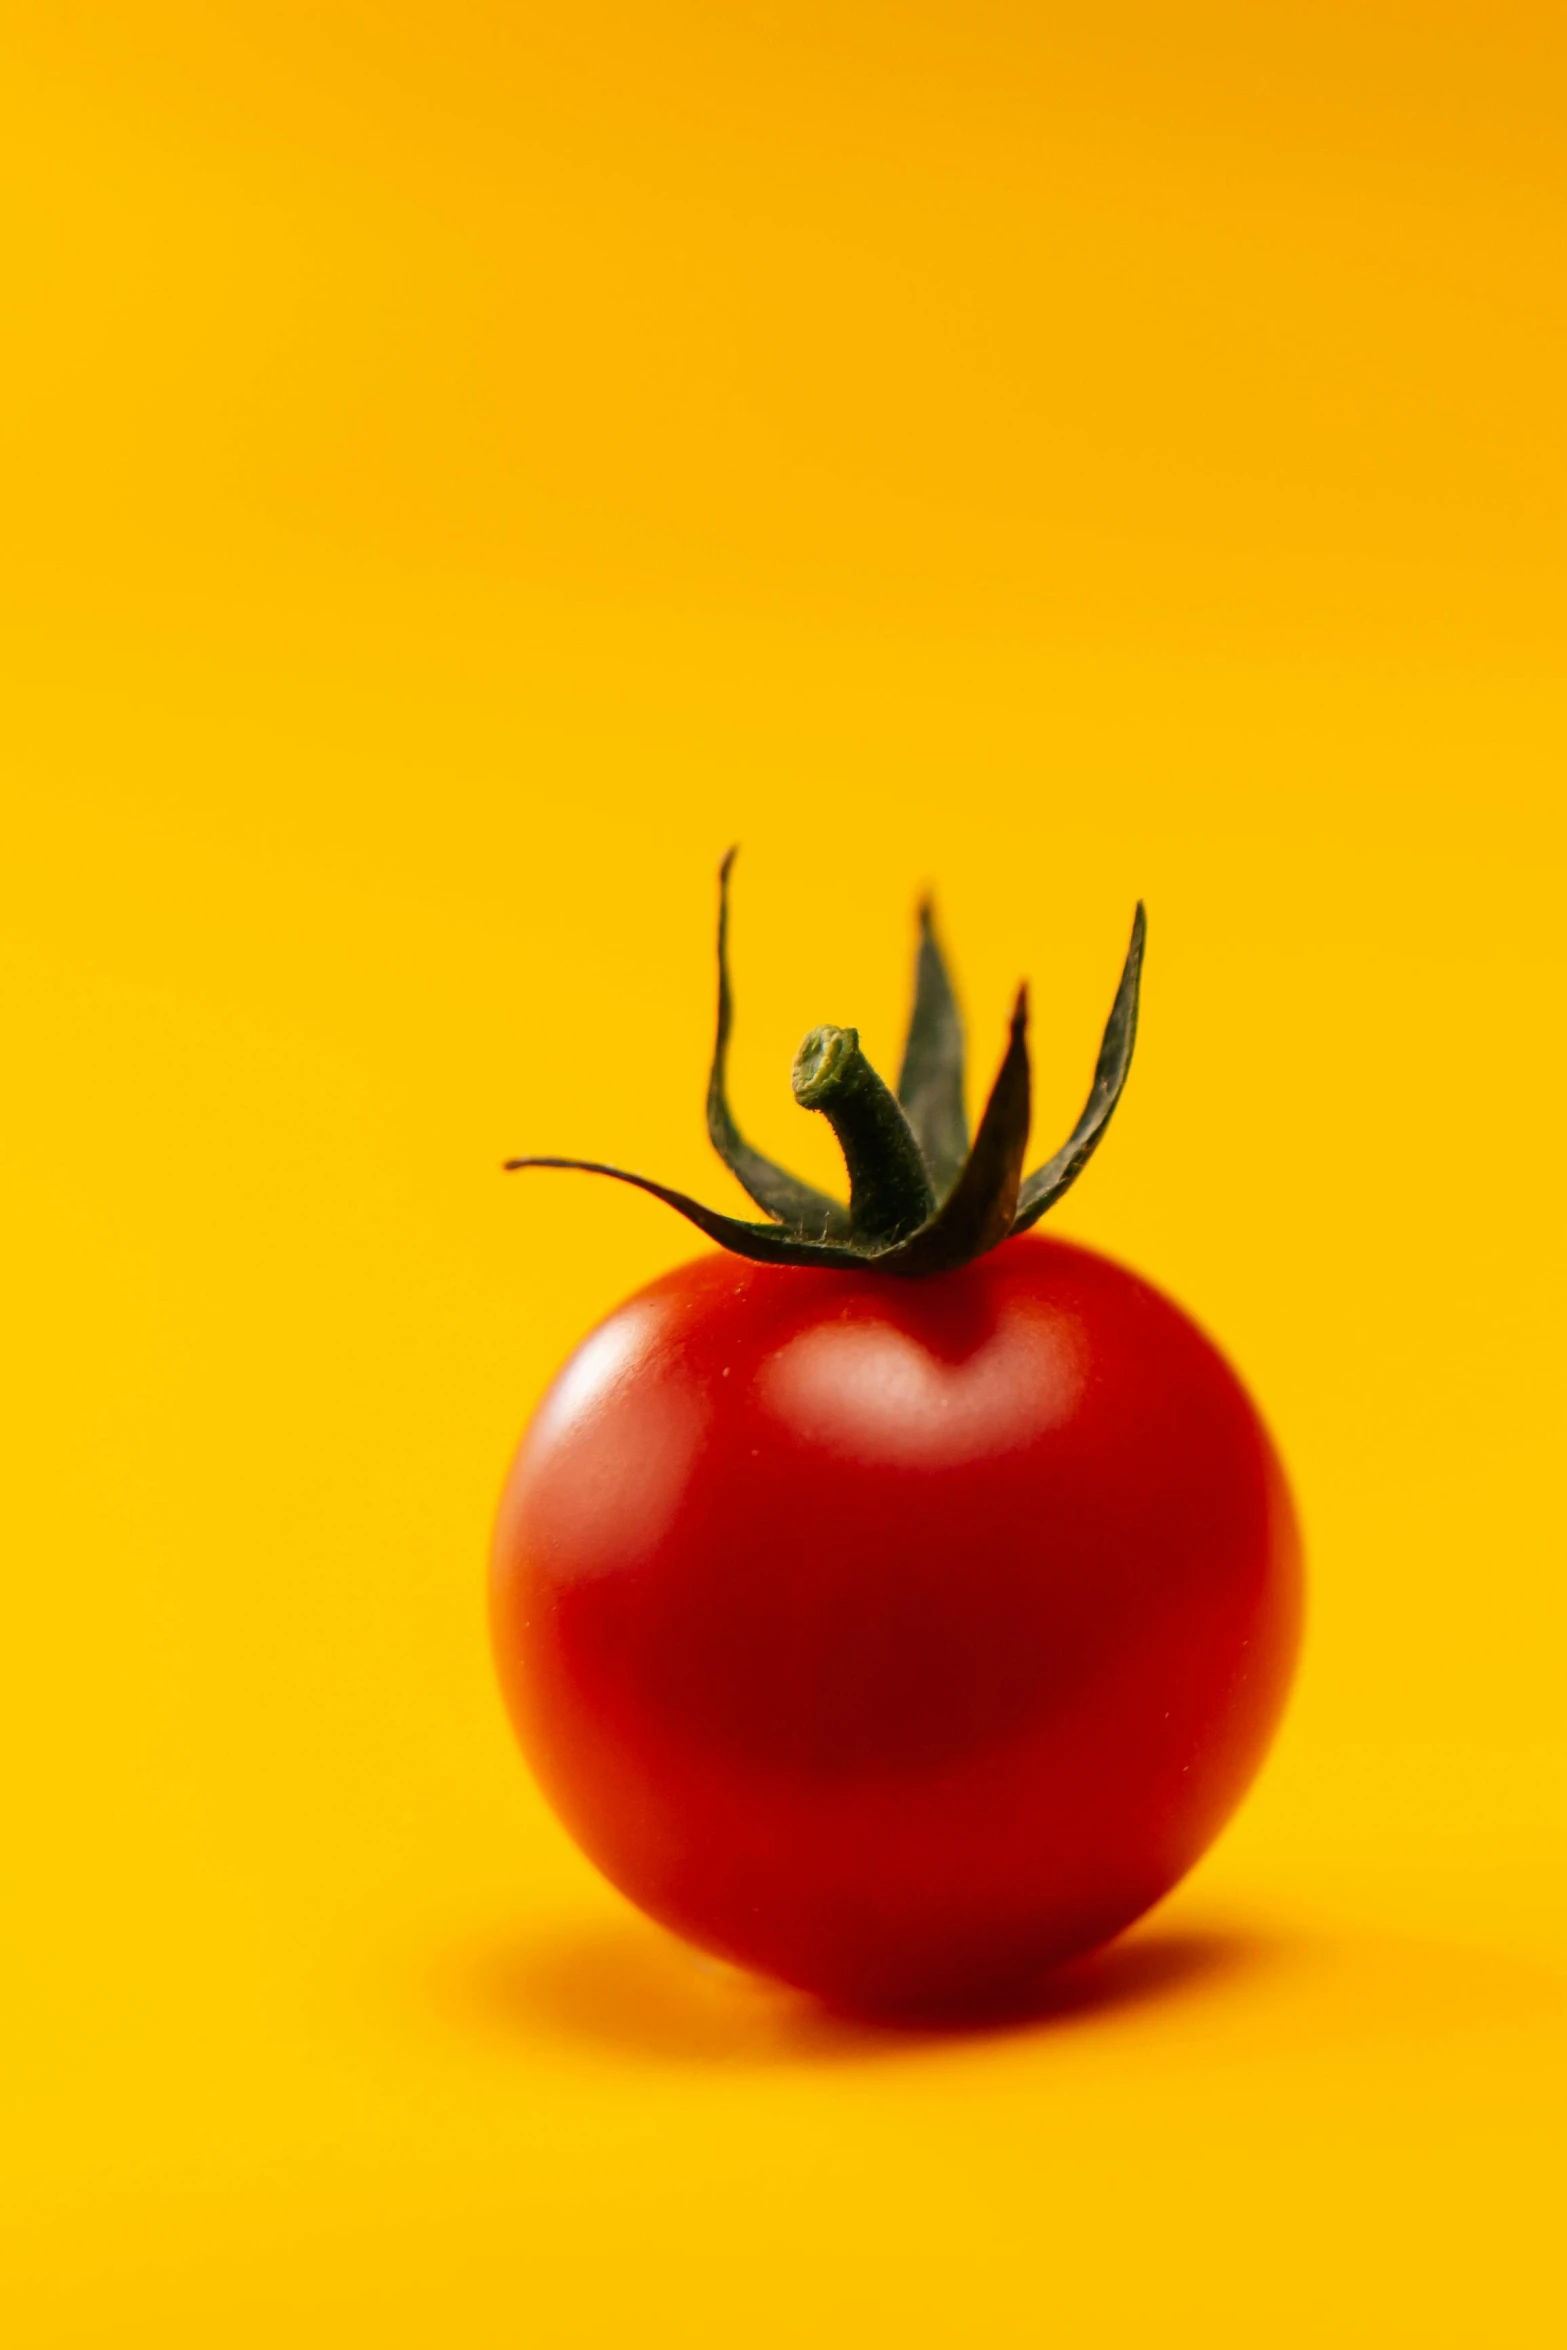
x=872, y=1392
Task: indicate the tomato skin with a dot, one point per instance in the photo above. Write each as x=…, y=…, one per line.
x=901, y=1639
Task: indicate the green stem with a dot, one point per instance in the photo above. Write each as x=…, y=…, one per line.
x=890, y=1193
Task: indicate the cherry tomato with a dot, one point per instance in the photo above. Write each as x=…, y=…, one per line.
x=900, y=1638
x=901, y=1601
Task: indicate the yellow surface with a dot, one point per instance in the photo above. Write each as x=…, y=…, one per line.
x=466, y=465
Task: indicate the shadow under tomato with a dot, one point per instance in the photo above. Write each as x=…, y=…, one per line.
x=627, y=1986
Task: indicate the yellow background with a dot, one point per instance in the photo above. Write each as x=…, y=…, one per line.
x=463, y=467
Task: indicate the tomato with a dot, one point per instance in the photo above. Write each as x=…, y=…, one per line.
x=900, y=1639
x=900, y=1602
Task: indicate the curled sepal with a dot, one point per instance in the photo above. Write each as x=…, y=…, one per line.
x=978, y=1212
x=763, y=1242
x=930, y=1083
x=1044, y=1187
x=799, y=1207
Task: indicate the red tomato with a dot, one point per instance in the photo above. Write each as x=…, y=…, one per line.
x=900, y=1638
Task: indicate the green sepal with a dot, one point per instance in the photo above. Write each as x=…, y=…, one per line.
x=799, y=1207
x=977, y=1213
x=930, y=1083
x=1047, y=1183
x=763, y=1242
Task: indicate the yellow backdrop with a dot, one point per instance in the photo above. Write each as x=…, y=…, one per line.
x=465, y=466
